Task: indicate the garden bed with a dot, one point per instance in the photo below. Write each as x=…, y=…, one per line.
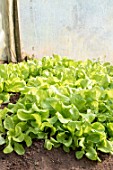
x=58, y=104
x=38, y=158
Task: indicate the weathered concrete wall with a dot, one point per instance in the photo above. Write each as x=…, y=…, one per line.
x=77, y=28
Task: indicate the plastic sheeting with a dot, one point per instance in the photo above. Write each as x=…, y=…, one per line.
x=3, y=55
x=79, y=29
x=7, y=40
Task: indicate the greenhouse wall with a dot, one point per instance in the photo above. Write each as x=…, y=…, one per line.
x=3, y=40
x=78, y=29
x=7, y=37
x=74, y=28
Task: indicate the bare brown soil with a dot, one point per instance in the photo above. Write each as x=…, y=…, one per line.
x=13, y=99
x=37, y=158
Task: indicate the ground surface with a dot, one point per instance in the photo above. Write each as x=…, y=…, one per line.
x=37, y=158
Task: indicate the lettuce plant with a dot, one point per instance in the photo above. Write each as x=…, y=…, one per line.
x=66, y=103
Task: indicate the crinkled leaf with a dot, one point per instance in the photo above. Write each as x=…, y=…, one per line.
x=47, y=125
x=98, y=126
x=52, y=120
x=96, y=137
x=28, y=140
x=105, y=146
x=66, y=149
x=4, y=97
x=71, y=126
x=18, y=148
x=14, y=86
x=62, y=119
x=8, y=149
x=37, y=118
x=64, y=138
x=19, y=138
x=2, y=140
x=88, y=117
x=43, y=112
x=79, y=154
x=110, y=129
x=24, y=115
x=48, y=144
x=8, y=123
x=92, y=154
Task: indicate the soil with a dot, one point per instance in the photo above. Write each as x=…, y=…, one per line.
x=13, y=99
x=38, y=158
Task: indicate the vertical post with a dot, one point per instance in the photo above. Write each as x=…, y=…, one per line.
x=16, y=31
x=10, y=31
